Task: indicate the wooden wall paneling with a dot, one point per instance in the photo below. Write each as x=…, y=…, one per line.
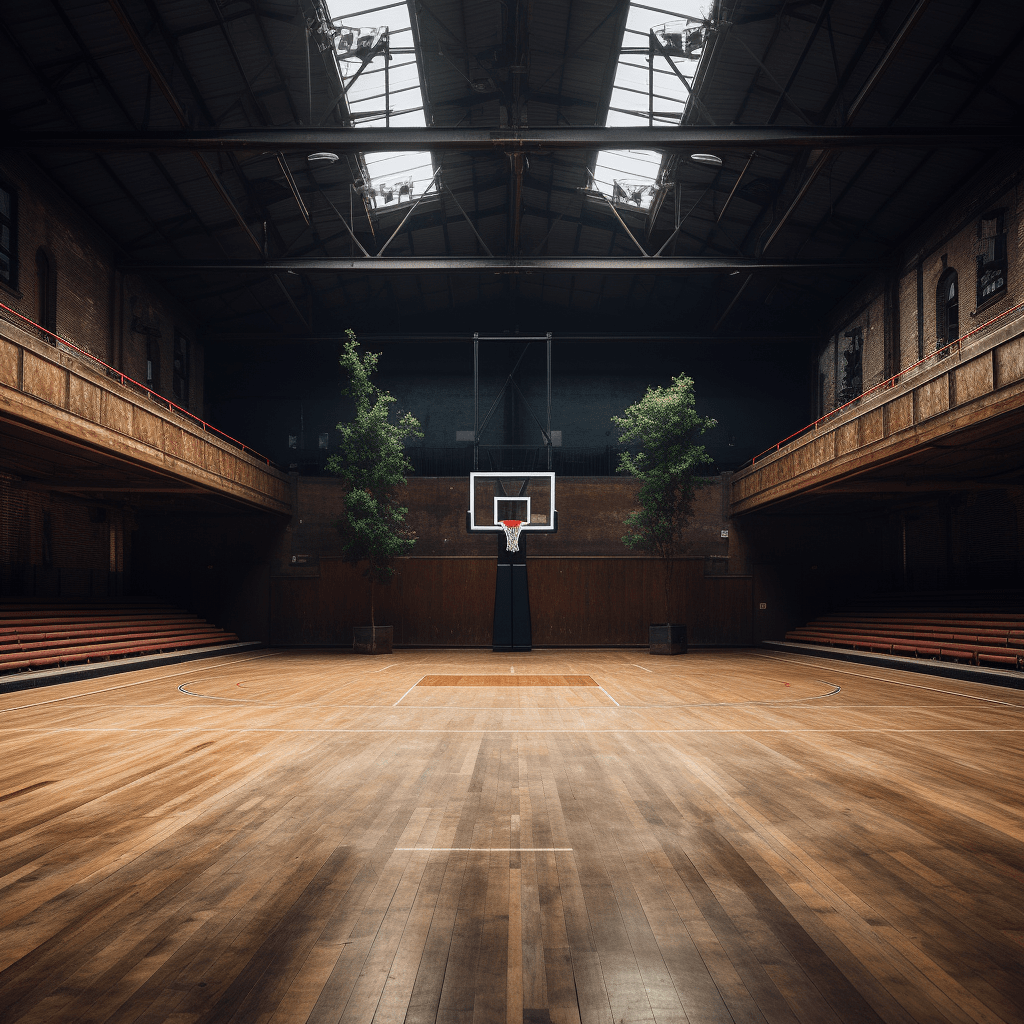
x=577, y=602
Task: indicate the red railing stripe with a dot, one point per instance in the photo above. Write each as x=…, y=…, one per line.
x=890, y=382
x=125, y=379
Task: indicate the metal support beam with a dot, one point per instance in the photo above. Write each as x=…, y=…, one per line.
x=466, y=218
x=595, y=338
x=526, y=140
x=179, y=113
x=483, y=265
x=883, y=65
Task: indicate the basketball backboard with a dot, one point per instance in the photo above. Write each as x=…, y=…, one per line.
x=528, y=497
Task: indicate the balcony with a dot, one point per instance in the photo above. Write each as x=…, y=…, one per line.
x=69, y=423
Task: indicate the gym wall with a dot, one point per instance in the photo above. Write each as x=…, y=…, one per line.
x=54, y=546
x=268, y=395
x=894, y=318
x=586, y=587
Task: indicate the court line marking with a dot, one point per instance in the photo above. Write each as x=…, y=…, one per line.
x=513, y=707
x=124, y=686
x=483, y=849
x=897, y=682
x=832, y=709
x=608, y=695
x=524, y=729
x=407, y=692
x=634, y=665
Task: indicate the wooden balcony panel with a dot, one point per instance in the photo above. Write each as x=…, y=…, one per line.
x=80, y=405
x=9, y=359
x=982, y=384
x=85, y=400
x=1009, y=362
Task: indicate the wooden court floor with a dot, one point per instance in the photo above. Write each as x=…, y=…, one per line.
x=312, y=836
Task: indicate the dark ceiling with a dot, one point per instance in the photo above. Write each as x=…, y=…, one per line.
x=143, y=65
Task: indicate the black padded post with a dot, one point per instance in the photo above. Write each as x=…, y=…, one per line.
x=512, y=627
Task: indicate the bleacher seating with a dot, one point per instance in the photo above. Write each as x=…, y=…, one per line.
x=36, y=635
x=973, y=628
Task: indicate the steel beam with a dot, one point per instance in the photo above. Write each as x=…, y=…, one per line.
x=503, y=140
x=497, y=265
x=593, y=337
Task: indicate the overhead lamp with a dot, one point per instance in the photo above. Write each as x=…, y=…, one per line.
x=404, y=190
x=709, y=159
x=389, y=196
x=322, y=158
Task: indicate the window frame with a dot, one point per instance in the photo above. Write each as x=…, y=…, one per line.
x=1000, y=261
x=181, y=395
x=12, y=223
x=46, y=300
x=942, y=307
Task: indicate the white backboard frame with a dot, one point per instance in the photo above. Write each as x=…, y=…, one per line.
x=548, y=527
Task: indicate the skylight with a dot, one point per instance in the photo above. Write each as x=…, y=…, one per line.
x=362, y=38
x=630, y=178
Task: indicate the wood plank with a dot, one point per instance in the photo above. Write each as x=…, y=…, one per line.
x=310, y=837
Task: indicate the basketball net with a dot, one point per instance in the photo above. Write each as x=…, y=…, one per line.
x=512, y=528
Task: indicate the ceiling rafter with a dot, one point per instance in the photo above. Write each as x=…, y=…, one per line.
x=525, y=140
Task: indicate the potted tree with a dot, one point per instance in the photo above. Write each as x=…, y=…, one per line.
x=662, y=430
x=372, y=463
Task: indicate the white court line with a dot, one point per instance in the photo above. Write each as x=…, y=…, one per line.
x=407, y=692
x=583, y=731
x=641, y=666
x=123, y=686
x=831, y=709
x=897, y=682
x=608, y=695
x=795, y=702
x=483, y=849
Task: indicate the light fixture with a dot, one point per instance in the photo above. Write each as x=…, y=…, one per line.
x=706, y=158
x=322, y=158
x=389, y=196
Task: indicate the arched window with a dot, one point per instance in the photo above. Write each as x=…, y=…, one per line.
x=947, y=309
x=153, y=361
x=46, y=289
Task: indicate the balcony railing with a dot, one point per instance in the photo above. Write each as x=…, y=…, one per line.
x=891, y=382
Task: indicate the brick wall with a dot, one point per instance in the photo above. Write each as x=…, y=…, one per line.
x=98, y=308
x=948, y=240
x=590, y=515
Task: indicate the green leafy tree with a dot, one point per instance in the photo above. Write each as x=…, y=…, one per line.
x=371, y=461
x=663, y=428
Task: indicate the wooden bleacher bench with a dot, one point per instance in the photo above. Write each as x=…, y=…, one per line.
x=984, y=632
x=37, y=635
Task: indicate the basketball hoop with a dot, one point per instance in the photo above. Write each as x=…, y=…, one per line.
x=512, y=528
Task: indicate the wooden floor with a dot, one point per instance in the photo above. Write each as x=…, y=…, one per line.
x=724, y=836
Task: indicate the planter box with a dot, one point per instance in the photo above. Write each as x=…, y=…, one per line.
x=372, y=639
x=668, y=639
